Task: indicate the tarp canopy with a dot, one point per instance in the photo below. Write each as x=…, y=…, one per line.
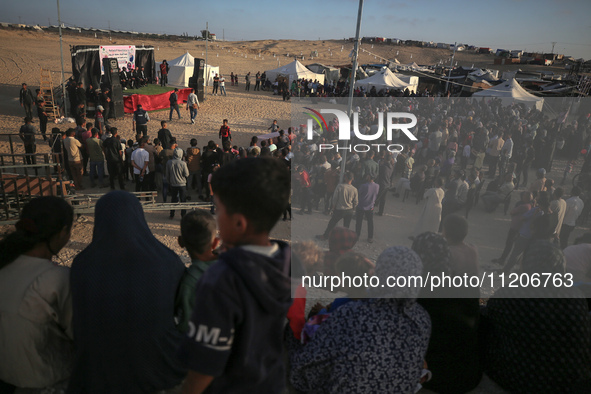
x=509, y=92
x=383, y=79
x=330, y=73
x=181, y=69
x=294, y=71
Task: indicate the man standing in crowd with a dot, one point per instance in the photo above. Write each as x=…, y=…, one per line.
x=81, y=96
x=225, y=134
x=177, y=173
x=344, y=202
x=114, y=156
x=164, y=73
x=574, y=207
x=368, y=193
x=174, y=103
x=257, y=83
x=164, y=135
x=73, y=147
x=105, y=98
x=140, y=122
x=26, y=99
x=216, y=84
x=97, y=158
x=27, y=134
x=140, y=158
x=222, y=85
x=40, y=103
x=192, y=105
x=247, y=80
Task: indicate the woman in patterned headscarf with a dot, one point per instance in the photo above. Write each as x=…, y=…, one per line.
x=369, y=345
x=534, y=344
x=453, y=349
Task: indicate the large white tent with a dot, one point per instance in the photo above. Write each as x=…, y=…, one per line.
x=384, y=79
x=294, y=71
x=509, y=92
x=181, y=69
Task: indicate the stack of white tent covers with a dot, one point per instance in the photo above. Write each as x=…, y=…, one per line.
x=294, y=71
x=181, y=69
x=510, y=92
x=385, y=79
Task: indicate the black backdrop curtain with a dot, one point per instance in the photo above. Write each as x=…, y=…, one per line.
x=86, y=65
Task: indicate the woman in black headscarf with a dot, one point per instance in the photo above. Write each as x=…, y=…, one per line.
x=123, y=289
x=538, y=339
x=453, y=348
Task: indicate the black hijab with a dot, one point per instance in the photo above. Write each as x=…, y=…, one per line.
x=123, y=289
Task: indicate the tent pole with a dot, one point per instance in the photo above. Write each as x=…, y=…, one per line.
x=59, y=22
x=352, y=85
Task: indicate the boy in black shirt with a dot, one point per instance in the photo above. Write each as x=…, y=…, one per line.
x=234, y=342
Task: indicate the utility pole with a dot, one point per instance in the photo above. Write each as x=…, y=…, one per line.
x=451, y=66
x=206, y=65
x=352, y=85
x=223, y=34
x=59, y=22
x=553, y=43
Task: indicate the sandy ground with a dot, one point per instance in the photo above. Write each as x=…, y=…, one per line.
x=22, y=53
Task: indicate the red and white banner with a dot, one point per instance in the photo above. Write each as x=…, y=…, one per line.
x=125, y=55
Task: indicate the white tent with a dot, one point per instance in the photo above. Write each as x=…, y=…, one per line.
x=509, y=92
x=181, y=69
x=294, y=70
x=383, y=79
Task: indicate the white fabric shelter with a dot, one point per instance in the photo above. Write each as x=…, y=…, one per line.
x=294, y=70
x=181, y=69
x=509, y=92
x=384, y=79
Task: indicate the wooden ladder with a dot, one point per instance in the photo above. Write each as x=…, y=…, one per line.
x=46, y=87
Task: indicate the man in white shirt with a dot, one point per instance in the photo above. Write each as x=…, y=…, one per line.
x=140, y=158
x=574, y=207
x=192, y=105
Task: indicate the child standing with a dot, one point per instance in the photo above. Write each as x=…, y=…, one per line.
x=198, y=236
x=234, y=343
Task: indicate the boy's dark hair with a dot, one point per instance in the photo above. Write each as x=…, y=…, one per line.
x=245, y=185
x=456, y=228
x=114, y=130
x=197, y=229
x=94, y=131
x=173, y=141
x=211, y=145
x=348, y=176
x=70, y=132
x=162, y=123
x=193, y=142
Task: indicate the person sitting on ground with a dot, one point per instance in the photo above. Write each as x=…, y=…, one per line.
x=452, y=356
x=243, y=298
x=124, y=285
x=492, y=199
x=37, y=345
x=198, y=236
x=526, y=329
x=347, y=353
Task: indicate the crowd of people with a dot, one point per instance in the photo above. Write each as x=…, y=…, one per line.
x=130, y=318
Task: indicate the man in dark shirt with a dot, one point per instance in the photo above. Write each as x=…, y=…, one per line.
x=123, y=78
x=27, y=134
x=164, y=135
x=140, y=122
x=174, y=103
x=26, y=99
x=40, y=103
x=81, y=96
x=105, y=99
x=257, y=83
x=225, y=133
x=114, y=156
x=216, y=84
